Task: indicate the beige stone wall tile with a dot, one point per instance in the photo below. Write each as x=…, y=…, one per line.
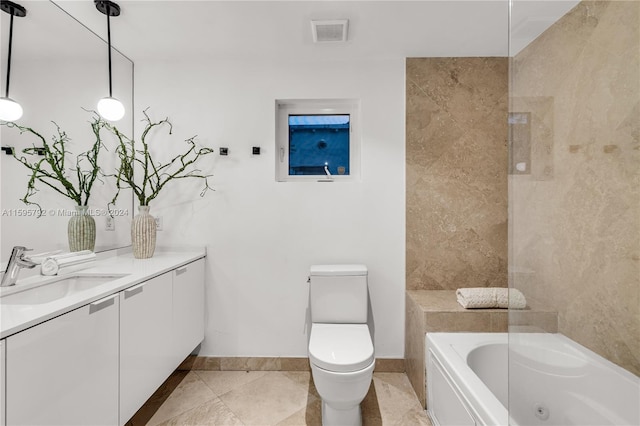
x=389, y=365
x=456, y=192
x=577, y=233
x=533, y=321
x=500, y=322
x=471, y=321
x=414, y=346
x=250, y=364
x=206, y=363
x=294, y=364
x=435, y=300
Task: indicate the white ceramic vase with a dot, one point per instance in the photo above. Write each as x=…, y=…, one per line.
x=143, y=234
x=81, y=230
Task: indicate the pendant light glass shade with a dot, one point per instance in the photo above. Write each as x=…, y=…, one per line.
x=10, y=110
x=110, y=109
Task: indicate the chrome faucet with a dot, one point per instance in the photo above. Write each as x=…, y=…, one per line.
x=326, y=169
x=16, y=262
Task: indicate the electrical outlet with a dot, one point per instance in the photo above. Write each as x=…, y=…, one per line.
x=158, y=223
x=110, y=224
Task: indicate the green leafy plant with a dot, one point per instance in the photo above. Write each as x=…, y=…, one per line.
x=48, y=164
x=146, y=176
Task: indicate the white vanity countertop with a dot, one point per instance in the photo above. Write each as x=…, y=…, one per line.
x=15, y=318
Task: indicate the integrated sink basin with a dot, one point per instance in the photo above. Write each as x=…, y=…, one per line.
x=54, y=289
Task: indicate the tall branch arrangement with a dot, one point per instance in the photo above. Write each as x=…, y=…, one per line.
x=154, y=175
x=51, y=170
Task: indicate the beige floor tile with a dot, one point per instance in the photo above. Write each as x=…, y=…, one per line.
x=304, y=379
x=267, y=400
x=190, y=393
x=414, y=418
x=370, y=407
x=394, y=399
x=371, y=421
x=213, y=412
x=147, y=411
x=221, y=382
x=398, y=380
x=286, y=398
x=311, y=415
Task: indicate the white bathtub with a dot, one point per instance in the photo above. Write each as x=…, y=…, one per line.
x=553, y=381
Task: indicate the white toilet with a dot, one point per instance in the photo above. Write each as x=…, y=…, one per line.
x=340, y=347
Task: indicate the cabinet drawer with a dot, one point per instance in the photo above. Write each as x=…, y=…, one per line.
x=65, y=370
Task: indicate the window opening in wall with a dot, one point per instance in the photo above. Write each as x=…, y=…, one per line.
x=317, y=140
x=319, y=144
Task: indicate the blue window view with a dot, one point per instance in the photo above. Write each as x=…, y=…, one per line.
x=319, y=144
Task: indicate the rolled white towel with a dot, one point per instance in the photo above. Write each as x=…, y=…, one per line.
x=38, y=258
x=491, y=297
x=72, y=254
x=55, y=264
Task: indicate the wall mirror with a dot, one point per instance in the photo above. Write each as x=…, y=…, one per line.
x=59, y=70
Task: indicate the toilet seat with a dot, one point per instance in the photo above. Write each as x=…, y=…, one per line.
x=341, y=347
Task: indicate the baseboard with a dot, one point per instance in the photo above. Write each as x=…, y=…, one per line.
x=193, y=362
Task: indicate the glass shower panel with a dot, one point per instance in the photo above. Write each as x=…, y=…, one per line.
x=574, y=212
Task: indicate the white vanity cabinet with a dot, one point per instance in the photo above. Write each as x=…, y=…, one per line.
x=145, y=342
x=65, y=370
x=3, y=420
x=99, y=363
x=161, y=322
x=188, y=309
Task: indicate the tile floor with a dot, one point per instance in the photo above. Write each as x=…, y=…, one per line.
x=263, y=398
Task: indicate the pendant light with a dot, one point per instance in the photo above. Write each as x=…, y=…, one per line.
x=10, y=110
x=109, y=108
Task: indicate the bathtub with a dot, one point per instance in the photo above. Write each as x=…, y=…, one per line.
x=554, y=381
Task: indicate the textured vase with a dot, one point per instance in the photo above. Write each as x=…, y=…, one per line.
x=81, y=230
x=143, y=234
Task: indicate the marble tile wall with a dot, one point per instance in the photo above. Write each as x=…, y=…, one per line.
x=575, y=219
x=456, y=183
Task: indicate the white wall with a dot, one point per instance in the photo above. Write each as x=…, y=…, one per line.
x=52, y=89
x=262, y=235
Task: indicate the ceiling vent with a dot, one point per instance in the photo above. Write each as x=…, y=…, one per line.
x=334, y=30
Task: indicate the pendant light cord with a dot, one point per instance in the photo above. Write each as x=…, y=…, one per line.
x=109, y=46
x=6, y=88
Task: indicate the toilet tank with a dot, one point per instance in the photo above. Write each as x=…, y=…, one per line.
x=338, y=294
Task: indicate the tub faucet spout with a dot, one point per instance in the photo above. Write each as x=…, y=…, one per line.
x=16, y=262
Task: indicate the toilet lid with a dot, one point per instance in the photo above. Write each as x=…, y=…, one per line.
x=340, y=347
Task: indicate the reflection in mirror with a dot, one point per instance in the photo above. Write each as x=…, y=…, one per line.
x=59, y=71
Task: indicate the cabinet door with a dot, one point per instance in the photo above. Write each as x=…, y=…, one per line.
x=145, y=342
x=188, y=309
x=65, y=370
x=3, y=420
